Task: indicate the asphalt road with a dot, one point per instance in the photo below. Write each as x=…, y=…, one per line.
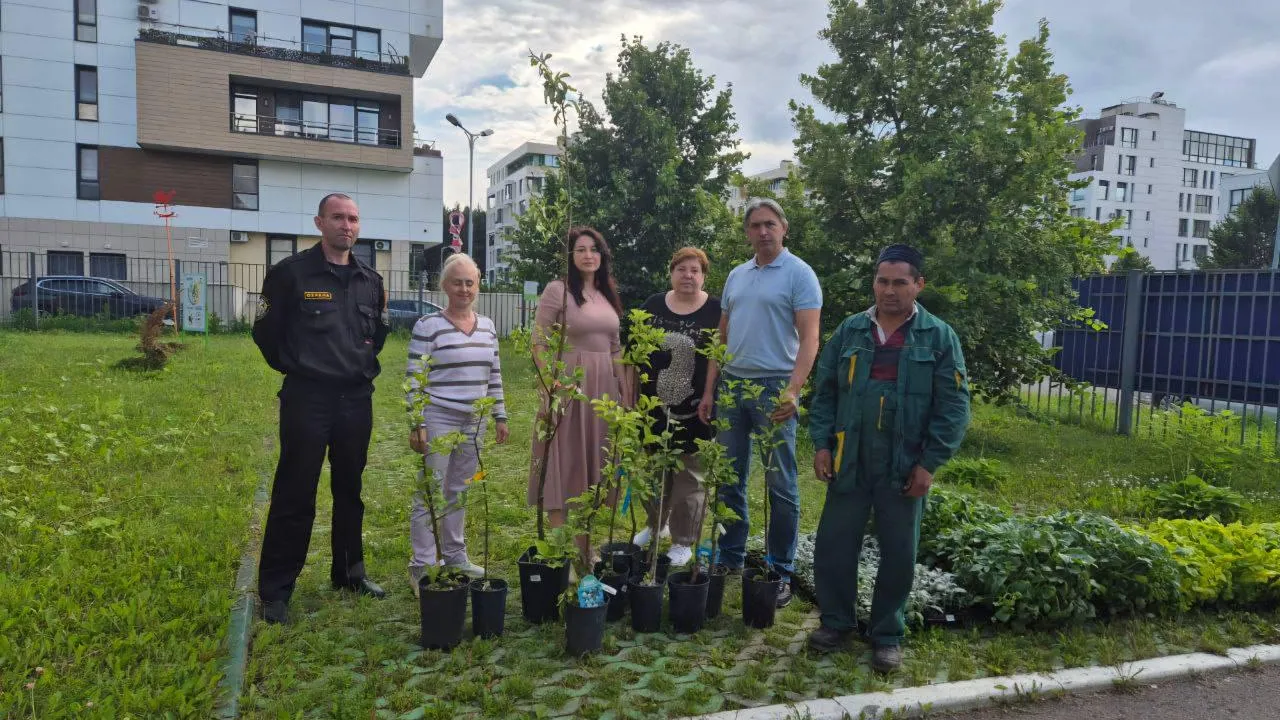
x=1240, y=695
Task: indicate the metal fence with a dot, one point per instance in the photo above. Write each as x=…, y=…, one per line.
x=116, y=285
x=1207, y=339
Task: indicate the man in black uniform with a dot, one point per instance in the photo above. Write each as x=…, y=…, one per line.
x=320, y=322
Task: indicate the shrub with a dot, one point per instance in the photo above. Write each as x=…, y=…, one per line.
x=983, y=473
x=947, y=510
x=1222, y=563
x=1191, y=498
x=1061, y=569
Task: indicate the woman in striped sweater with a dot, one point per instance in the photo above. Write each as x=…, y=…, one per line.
x=462, y=346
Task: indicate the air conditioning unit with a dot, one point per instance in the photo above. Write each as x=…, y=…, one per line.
x=146, y=12
x=239, y=236
x=381, y=244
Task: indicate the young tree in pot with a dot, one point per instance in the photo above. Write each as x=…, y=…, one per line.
x=651, y=468
x=442, y=592
x=623, y=446
x=761, y=584
x=488, y=595
x=586, y=606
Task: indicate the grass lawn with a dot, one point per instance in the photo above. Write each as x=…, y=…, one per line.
x=124, y=542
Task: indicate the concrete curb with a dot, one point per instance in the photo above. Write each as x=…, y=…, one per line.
x=974, y=694
x=240, y=630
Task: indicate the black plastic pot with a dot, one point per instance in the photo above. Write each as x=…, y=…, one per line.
x=584, y=628
x=687, y=603
x=619, y=601
x=540, y=587
x=620, y=557
x=760, y=597
x=715, y=590
x=660, y=576
x=443, y=613
x=646, y=607
x=488, y=607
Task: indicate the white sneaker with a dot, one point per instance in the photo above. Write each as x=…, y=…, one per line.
x=469, y=569
x=680, y=555
x=642, y=538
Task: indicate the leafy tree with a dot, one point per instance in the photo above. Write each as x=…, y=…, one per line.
x=648, y=169
x=1130, y=259
x=1246, y=238
x=941, y=140
x=538, y=238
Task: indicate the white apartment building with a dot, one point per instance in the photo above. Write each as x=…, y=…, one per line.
x=737, y=198
x=249, y=110
x=1165, y=182
x=513, y=181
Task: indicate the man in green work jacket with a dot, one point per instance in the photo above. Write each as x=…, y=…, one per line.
x=890, y=406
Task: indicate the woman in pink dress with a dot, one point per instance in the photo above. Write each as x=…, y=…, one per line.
x=587, y=305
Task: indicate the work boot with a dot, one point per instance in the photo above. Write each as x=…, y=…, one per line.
x=784, y=593
x=468, y=568
x=886, y=658
x=364, y=586
x=275, y=612
x=826, y=639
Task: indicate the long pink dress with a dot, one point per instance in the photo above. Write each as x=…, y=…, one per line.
x=577, y=455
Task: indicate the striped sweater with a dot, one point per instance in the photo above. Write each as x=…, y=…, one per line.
x=464, y=368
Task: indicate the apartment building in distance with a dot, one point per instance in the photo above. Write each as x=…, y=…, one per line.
x=249, y=110
x=513, y=182
x=1164, y=181
x=775, y=177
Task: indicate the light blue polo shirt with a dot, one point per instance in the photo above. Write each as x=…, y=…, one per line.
x=761, y=303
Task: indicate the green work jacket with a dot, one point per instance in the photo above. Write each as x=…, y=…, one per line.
x=932, y=389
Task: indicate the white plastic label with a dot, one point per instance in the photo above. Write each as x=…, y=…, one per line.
x=609, y=589
x=535, y=578
x=951, y=618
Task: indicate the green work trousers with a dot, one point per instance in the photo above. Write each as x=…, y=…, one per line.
x=844, y=522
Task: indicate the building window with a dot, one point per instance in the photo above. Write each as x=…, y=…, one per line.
x=86, y=20
x=500, y=220
x=1153, y=136
x=1077, y=212
x=87, y=187
x=1182, y=227
x=1149, y=189
x=244, y=26
x=363, y=250
x=62, y=262
x=244, y=185
x=553, y=161
x=368, y=122
x=288, y=114
x=1, y=84
x=1185, y=247
x=315, y=116
x=1213, y=179
x=1122, y=192
x=1200, y=252
x=1217, y=149
x=1129, y=137
x=1153, y=162
x=86, y=93
x=1237, y=197
x=1146, y=240
x=1200, y=229
x=1105, y=187
x=1148, y=216
x=244, y=109
x=1189, y=177
x=1181, y=200
x=1126, y=164
x=1, y=166
x=1204, y=203
x=280, y=247
x=342, y=120
x=342, y=40
x=1128, y=219
x=1097, y=214
x=108, y=265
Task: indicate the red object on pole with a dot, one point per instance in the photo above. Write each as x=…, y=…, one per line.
x=163, y=199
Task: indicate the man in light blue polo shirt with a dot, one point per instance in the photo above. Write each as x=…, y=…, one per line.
x=771, y=306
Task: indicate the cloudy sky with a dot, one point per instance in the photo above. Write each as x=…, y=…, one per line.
x=1217, y=59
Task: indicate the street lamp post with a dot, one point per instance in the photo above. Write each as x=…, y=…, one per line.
x=471, y=171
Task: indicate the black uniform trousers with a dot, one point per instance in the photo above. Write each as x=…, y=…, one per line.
x=315, y=420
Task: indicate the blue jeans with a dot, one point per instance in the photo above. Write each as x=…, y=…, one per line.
x=745, y=416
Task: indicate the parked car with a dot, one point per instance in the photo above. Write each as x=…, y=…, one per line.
x=84, y=296
x=404, y=313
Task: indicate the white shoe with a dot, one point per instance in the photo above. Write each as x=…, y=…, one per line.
x=642, y=537
x=680, y=555
x=469, y=569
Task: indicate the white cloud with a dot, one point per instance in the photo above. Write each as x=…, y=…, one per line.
x=1111, y=51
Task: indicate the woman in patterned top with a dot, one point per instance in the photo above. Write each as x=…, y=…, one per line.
x=462, y=346
x=678, y=376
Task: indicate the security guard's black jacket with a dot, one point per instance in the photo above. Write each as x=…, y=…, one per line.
x=315, y=328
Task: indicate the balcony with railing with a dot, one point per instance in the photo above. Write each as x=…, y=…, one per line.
x=331, y=52
x=315, y=129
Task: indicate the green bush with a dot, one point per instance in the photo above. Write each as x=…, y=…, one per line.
x=25, y=319
x=945, y=511
x=984, y=473
x=1061, y=569
x=1191, y=498
x=1222, y=563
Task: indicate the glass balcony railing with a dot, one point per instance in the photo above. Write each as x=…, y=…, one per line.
x=313, y=129
x=263, y=46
